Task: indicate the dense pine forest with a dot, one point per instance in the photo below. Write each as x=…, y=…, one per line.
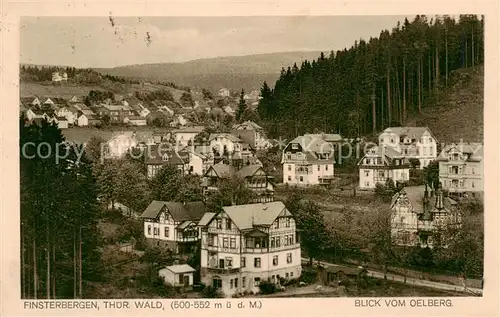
x=376, y=83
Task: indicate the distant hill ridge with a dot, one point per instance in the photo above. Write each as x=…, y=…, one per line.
x=234, y=72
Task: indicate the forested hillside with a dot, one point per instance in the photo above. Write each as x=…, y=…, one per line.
x=376, y=83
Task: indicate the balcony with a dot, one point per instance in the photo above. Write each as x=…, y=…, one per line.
x=255, y=250
x=217, y=270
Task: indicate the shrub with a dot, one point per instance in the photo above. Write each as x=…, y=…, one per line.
x=309, y=275
x=266, y=287
x=212, y=292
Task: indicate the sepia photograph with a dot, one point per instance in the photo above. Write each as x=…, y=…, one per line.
x=251, y=157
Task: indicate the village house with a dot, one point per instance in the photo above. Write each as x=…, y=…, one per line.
x=340, y=274
x=200, y=159
x=75, y=99
x=308, y=160
x=179, y=121
x=135, y=121
x=254, y=177
x=120, y=144
x=224, y=92
x=173, y=225
x=225, y=143
x=414, y=143
x=159, y=155
x=243, y=245
x=461, y=169
x=185, y=136
x=34, y=113
x=69, y=112
x=30, y=102
x=62, y=122
x=251, y=133
x=59, y=76
x=420, y=219
x=382, y=163
x=178, y=276
x=87, y=118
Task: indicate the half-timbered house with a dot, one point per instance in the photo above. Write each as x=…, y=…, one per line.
x=246, y=244
x=173, y=225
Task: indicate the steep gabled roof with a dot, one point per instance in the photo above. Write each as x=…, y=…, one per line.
x=192, y=211
x=261, y=214
x=473, y=150
x=412, y=132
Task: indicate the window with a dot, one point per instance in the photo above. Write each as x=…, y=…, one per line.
x=225, y=242
x=368, y=161
x=319, y=168
x=289, y=178
x=256, y=262
x=167, y=231
x=367, y=173
x=289, y=156
x=231, y=283
x=149, y=229
x=289, y=168
x=291, y=274
x=256, y=281
x=235, y=283
x=243, y=263
x=473, y=185
x=218, y=223
x=275, y=260
x=286, y=239
x=286, y=275
x=228, y=224
x=278, y=242
x=326, y=167
x=288, y=258
x=301, y=178
x=156, y=231
x=288, y=222
x=243, y=281
x=211, y=239
x=291, y=239
x=272, y=242
x=473, y=170
x=229, y=262
x=233, y=243
x=392, y=140
x=277, y=224
x=367, y=184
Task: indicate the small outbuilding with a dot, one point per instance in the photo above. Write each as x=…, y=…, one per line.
x=340, y=274
x=180, y=275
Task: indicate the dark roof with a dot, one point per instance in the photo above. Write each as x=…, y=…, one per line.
x=179, y=211
x=347, y=270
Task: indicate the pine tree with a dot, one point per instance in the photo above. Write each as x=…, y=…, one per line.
x=242, y=106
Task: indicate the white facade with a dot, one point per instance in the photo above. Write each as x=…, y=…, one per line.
x=224, y=92
x=461, y=169
x=412, y=142
x=183, y=138
x=236, y=261
x=82, y=121
x=380, y=164
x=224, y=141
x=62, y=124
x=308, y=160
x=178, y=275
x=65, y=112
x=120, y=144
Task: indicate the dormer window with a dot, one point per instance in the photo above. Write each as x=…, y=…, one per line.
x=295, y=146
x=392, y=140
x=164, y=157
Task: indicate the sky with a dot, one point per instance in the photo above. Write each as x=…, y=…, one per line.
x=117, y=41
